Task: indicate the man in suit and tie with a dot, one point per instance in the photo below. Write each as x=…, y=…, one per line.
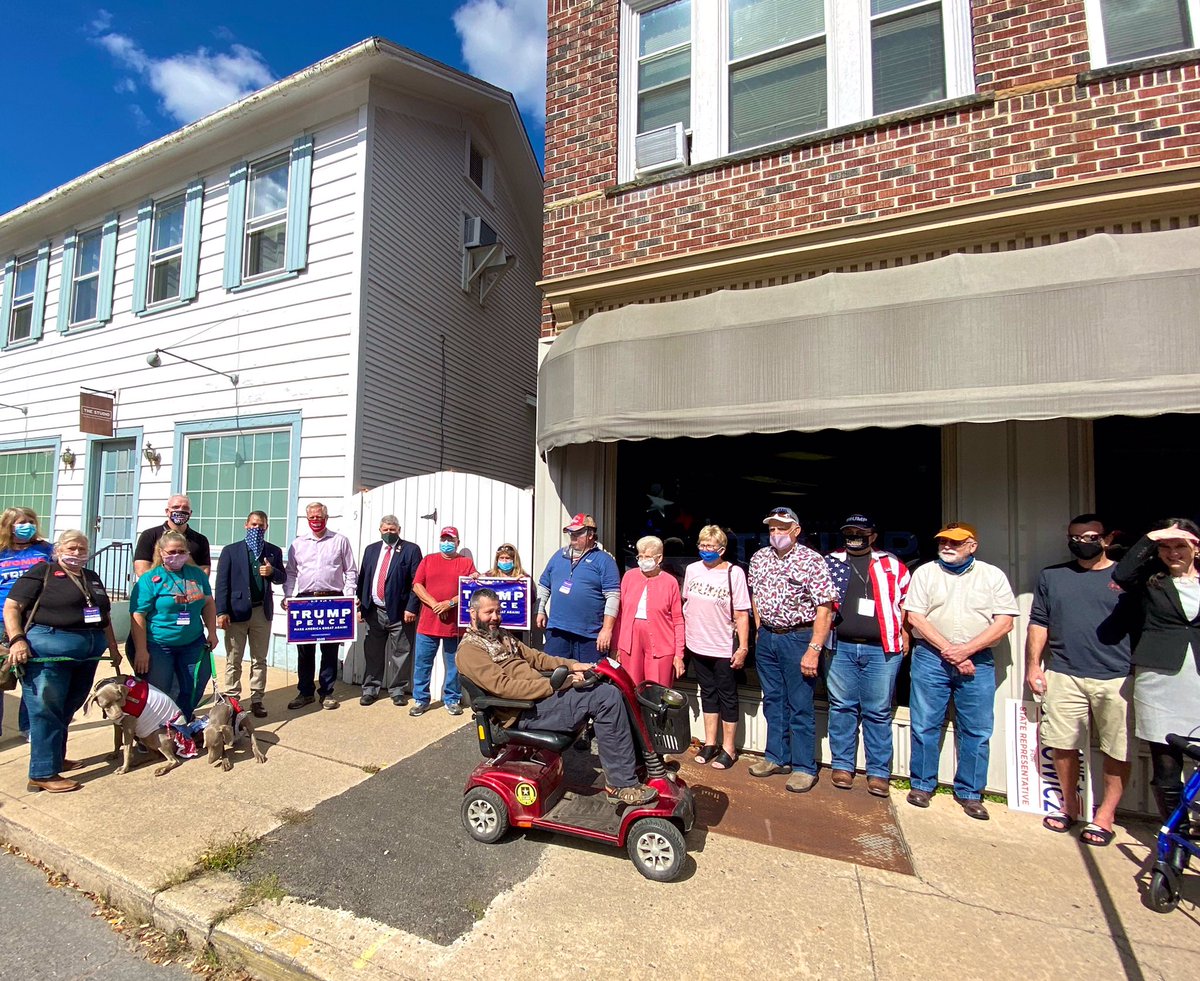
x=388, y=606
x=245, y=572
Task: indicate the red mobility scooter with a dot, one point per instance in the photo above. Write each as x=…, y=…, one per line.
x=521, y=782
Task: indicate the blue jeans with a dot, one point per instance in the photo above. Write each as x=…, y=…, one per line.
x=188, y=664
x=861, y=680
x=423, y=654
x=563, y=643
x=934, y=682
x=787, y=699
x=56, y=691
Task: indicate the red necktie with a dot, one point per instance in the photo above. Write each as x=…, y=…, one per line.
x=384, y=562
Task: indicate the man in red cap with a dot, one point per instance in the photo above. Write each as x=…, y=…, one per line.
x=436, y=586
x=578, y=595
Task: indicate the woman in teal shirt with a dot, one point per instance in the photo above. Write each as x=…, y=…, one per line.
x=172, y=613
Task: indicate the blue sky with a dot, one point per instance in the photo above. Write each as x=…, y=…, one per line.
x=86, y=83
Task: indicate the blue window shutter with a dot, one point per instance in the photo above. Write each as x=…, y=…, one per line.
x=41, y=276
x=141, y=265
x=9, y=283
x=299, y=191
x=235, y=225
x=189, y=271
x=108, y=269
x=66, y=283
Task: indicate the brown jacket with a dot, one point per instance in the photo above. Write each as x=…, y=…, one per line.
x=518, y=677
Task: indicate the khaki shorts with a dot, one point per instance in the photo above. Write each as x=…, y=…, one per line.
x=1067, y=704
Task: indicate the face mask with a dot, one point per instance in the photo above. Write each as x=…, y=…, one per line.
x=709, y=558
x=73, y=562
x=447, y=548
x=254, y=540
x=505, y=565
x=390, y=537
x=781, y=541
x=958, y=568
x=647, y=565
x=317, y=525
x=1085, y=550
x=179, y=518
x=856, y=543
x=175, y=562
x=24, y=531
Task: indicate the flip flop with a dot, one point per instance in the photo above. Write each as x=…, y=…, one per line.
x=723, y=761
x=1058, y=822
x=1096, y=836
x=707, y=754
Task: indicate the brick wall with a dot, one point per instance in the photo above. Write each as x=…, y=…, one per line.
x=1041, y=129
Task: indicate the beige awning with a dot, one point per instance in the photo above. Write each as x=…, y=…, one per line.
x=1105, y=325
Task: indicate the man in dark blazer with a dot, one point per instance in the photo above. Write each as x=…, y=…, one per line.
x=245, y=572
x=388, y=606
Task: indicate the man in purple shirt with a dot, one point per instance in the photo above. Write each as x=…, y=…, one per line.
x=320, y=562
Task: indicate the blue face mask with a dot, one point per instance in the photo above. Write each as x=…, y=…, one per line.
x=447, y=548
x=958, y=568
x=254, y=540
x=505, y=565
x=24, y=531
x=709, y=558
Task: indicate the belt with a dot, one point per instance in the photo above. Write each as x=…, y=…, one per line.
x=318, y=592
x=770, y=628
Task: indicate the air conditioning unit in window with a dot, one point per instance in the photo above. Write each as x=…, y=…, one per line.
x=477, y=233
x=660, y=149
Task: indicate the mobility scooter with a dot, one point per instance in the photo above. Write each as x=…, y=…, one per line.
x=522, y=783
x=1177, y=839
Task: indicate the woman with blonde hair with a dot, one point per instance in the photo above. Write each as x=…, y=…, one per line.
x=507, y=564
x=649, y=630
x=21, y=548
x=173, y=611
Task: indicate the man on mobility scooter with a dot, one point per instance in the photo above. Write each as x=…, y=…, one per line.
x=500, y=665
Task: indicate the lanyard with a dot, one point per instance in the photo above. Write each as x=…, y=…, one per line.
x=182, y=581
x=78, y=581
x=575, y=562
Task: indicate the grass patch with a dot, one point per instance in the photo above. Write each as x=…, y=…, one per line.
x=263, y=889
x=902, y=784
x=292, y=816
x=371, y=768
x=476, y=909
x=229, y=855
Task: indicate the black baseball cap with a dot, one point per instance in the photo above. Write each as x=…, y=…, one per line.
x=858, y=521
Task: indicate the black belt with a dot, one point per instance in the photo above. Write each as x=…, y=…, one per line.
x=318, y=592
x=869, y=641
x=785, y=630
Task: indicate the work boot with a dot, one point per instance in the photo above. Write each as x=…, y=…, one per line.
x=639, y=795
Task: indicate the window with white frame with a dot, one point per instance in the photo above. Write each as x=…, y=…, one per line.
x=266, y=215
x=1126, y=30
x=741, y=74
x=85, y=278
x=27, y=480
x=24, y=288
x=166, y=250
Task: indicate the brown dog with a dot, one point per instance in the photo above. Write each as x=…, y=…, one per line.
x=226, y=724
x=113, y=695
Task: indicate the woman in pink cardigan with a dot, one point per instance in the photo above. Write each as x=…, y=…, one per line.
x=650, y=619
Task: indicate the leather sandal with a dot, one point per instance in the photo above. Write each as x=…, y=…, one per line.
x=723, y=761
x=707, y=754
x=52, y=785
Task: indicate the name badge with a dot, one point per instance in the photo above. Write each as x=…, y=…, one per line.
x=565, y=588
x=91, y=614
x=866, y=607
x=184, y=619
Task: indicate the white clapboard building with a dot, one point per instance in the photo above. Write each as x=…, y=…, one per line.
x=320, y=290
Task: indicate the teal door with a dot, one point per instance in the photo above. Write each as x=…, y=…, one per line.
x=114, y=496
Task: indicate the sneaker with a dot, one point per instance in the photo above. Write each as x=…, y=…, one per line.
x=639, y=795
x=259, y=710
x=765, y=768
x=454, y=708
x=418, y=710
x=300, y=701
x=329, y=702
x=801, y=782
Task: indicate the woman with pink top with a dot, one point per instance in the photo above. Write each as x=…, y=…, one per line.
x=650, y=623
x=716, y=611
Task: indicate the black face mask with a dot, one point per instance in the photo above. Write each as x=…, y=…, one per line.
x=1085, y=550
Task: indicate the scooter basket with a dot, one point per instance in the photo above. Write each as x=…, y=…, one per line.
x=669, y=726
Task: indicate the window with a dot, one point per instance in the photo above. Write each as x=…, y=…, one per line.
x=88, y=264
x=27, y=480
x=741, y=74
x=23, y=305
x=266, y=227
x=475, y=165
x=168, y=250
x=1125, y=30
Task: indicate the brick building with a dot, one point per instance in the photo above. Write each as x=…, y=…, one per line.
x=1007, y=194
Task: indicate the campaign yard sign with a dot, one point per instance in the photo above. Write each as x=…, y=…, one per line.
x=321, y=620
x=1032, y=783
x=514, y=600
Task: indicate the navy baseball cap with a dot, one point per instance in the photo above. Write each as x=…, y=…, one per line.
x=858, y=521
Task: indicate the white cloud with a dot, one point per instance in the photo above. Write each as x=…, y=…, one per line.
x=102, y=21
x=125, y=86
x=504, y=42
x=190, y=85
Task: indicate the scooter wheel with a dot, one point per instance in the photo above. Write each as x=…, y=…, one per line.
x=484, y=815
x=1164, y=893
x=657, y=849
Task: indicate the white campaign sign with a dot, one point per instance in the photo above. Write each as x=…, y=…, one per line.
x=1032, y=783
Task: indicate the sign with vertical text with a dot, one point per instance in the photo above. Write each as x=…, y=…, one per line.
x=1032, y=782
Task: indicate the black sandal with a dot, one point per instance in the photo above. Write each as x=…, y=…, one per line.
x=707, y=754
x=723, y=761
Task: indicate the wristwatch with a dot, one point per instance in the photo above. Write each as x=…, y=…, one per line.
x=816, y=647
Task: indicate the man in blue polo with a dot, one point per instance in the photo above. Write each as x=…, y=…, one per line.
x=578, y=595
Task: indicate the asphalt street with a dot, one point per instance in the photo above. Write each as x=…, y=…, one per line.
x=50, y=933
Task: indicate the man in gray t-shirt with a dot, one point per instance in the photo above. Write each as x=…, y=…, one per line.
x=1083, y=617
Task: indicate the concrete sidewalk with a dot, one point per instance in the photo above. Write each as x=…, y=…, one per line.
x=1002, y=899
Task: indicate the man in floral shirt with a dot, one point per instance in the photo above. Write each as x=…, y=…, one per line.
x=792, y=597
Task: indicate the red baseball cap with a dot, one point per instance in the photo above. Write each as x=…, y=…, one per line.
x=449, y=532
x=579, y=522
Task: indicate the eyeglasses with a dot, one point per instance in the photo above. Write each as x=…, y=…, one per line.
x=951, y=543
x=1091, y=538
x=577, y=534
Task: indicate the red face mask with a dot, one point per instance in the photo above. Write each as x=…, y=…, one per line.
x=317, y=524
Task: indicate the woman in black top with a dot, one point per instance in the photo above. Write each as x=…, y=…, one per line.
x=59, y=650
x=1161, y=571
